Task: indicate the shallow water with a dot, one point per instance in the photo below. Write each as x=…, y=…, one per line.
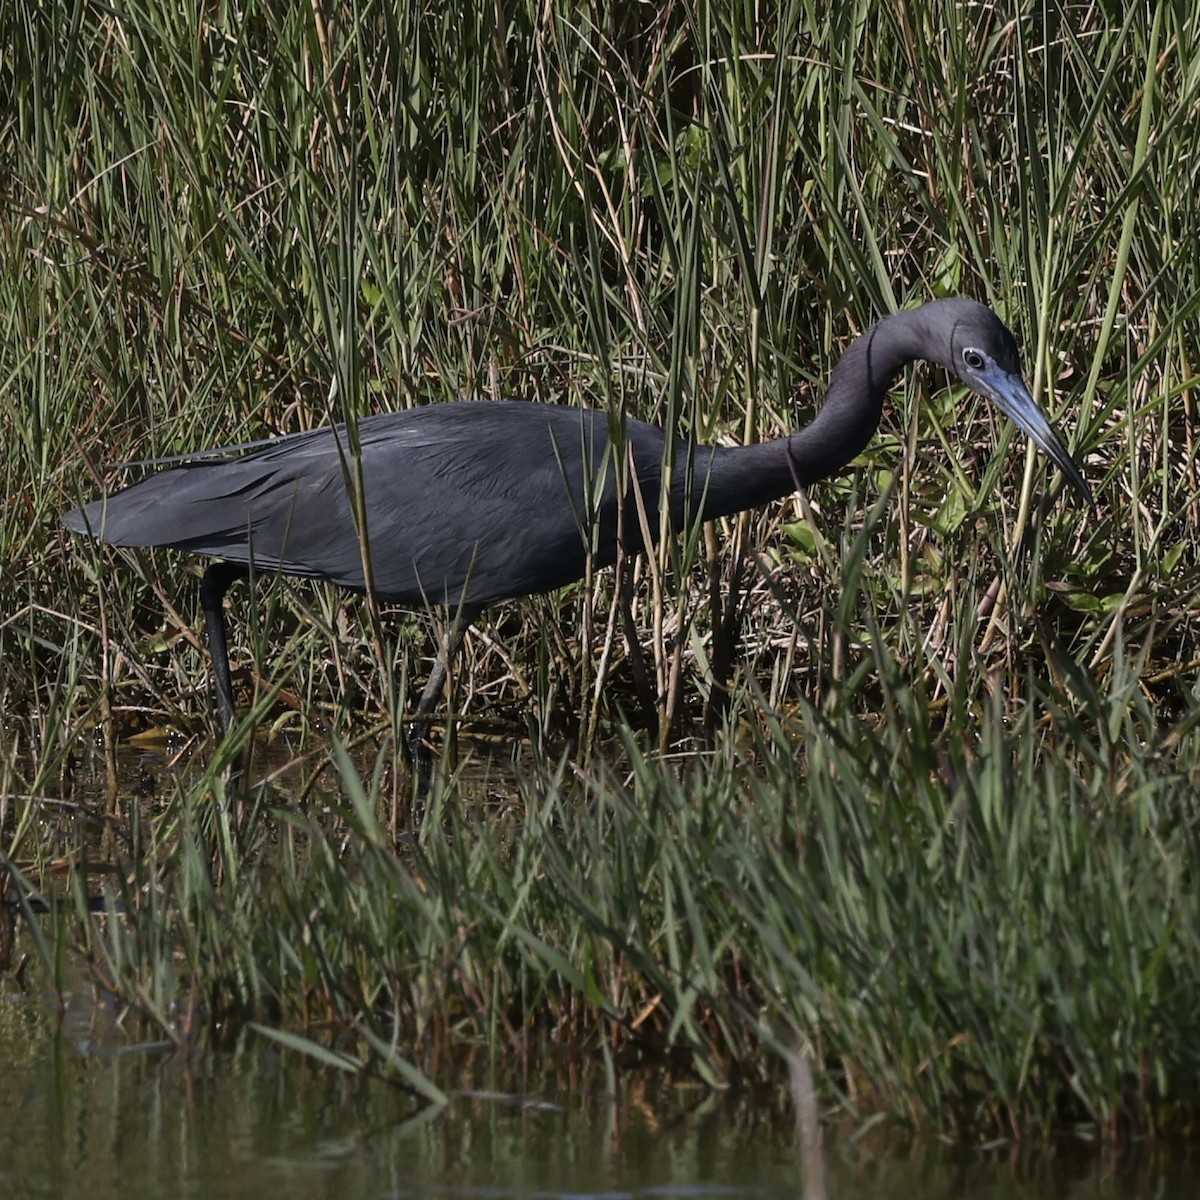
x=87, y=1110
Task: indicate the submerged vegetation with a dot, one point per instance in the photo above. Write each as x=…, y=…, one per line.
x=900, y=775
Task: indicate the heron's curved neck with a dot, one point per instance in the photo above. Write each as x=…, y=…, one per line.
x=741, y=477
x=854, y=401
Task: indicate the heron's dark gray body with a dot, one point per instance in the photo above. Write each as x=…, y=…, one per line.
x=480, y=501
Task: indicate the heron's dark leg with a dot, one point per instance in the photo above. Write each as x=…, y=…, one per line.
x=418, y=729
x=213, y=586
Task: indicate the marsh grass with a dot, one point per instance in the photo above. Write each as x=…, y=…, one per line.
x=990, y=936
x=908, y=764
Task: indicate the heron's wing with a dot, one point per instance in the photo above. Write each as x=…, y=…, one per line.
x=216, y=505
x=486, y=499
x=498, y=500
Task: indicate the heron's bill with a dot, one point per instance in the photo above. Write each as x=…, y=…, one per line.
x=1012, y=397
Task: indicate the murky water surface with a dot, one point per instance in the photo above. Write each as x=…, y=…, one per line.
x=86, y=1110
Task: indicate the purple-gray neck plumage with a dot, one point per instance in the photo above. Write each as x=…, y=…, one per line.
x=734, y=478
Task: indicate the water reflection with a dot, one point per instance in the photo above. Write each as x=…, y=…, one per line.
x=85, y=1109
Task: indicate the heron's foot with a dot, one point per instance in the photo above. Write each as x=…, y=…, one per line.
x=420, y=753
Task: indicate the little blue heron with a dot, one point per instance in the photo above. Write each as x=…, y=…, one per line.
x=478, y=501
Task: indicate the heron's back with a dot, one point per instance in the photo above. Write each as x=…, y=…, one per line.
x=479, y=500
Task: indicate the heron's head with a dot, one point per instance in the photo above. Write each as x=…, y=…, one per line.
x=979, y=348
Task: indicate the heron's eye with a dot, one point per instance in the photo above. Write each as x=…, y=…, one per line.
x=973, y=359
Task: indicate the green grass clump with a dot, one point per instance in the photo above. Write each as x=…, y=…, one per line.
x=997, y=937
x=943, y=844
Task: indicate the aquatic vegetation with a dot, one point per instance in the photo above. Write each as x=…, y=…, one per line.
x=909, y=790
